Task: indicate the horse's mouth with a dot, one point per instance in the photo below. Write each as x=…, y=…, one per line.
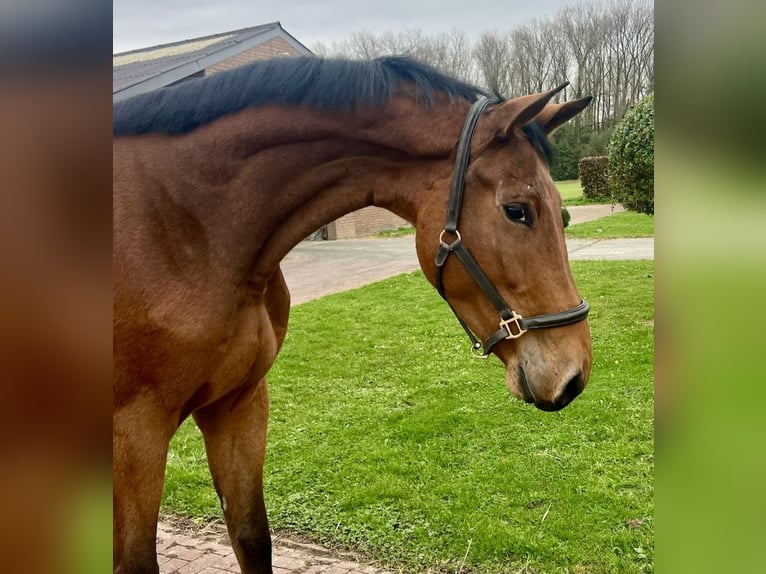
x=570, y=392
x=524, y=385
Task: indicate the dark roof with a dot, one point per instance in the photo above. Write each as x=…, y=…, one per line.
x=147, y=69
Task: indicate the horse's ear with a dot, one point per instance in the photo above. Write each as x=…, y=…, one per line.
x=520, y=111
x=554, y=116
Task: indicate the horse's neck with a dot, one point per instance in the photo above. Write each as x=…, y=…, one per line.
x=288, y=173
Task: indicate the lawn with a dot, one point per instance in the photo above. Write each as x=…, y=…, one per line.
x=398, y=232
x=571, y=193
x=569, y=189
x=622, y=224
x=386, y=437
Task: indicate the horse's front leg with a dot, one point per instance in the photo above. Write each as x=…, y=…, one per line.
x=234, y=428
x=141, y=434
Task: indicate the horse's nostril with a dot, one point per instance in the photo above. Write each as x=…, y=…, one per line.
x=574, y=387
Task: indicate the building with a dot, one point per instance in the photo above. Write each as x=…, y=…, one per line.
x=147, y=69
x=139, y=71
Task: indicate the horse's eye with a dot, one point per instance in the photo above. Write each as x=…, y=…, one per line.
x=518, y=213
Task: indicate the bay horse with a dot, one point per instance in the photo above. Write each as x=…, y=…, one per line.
x=216, y=179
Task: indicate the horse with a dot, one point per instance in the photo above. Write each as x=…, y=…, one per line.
x=216, y=179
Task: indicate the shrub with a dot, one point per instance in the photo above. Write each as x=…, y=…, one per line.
x=631, y=158
x=596, y=143
x=564, y=166
x=593, y=177
x=565, y=216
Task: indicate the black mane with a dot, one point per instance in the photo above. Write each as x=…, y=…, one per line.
x=307, y=80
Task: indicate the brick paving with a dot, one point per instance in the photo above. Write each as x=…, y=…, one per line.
x=314, y=269
x=208, y=552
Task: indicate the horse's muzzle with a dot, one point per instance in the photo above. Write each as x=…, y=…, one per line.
x=574, y=387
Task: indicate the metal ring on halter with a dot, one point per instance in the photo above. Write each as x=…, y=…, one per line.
x=477, y=352
x=441, y=238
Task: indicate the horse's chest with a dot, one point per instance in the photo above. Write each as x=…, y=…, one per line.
x=248, y=352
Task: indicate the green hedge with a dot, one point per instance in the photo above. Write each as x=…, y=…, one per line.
x=631, y=158
x=594, y=178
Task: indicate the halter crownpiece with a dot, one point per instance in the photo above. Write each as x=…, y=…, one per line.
x=512, y=324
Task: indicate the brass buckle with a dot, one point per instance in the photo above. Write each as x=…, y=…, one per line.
x=513, y=332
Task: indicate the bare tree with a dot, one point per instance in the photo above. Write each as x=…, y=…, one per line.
x=604, y=48
x=362, y=45
x=534, y=60
x=493, y=54
x=634, y=31
x=449, y=52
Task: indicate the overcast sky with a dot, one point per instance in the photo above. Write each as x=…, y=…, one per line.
x=144, y=23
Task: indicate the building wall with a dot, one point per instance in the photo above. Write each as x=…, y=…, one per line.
x=273, y=48
x=364, y=222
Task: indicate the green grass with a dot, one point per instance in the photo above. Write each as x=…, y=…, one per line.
x=623, y=224
x=398, y=232
x=571, y=193
x=569, y=189
x=385, y=436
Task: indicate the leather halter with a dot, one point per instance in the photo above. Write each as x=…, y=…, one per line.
x=512, y=324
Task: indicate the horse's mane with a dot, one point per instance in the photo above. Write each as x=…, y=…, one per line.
x=540, y=141
x=306, y=80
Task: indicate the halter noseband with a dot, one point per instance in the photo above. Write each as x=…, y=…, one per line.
x=512, y=324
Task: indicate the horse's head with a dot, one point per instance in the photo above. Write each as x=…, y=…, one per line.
x=509, y=223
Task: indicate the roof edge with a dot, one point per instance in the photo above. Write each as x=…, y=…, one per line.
x=188, y=68
x=260, y=27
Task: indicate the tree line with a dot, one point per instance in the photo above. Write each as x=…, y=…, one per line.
x=604, y=49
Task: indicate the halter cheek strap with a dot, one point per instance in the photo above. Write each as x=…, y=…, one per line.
x=512, y=324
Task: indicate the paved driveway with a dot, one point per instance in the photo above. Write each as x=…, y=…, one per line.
x=317, y=268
